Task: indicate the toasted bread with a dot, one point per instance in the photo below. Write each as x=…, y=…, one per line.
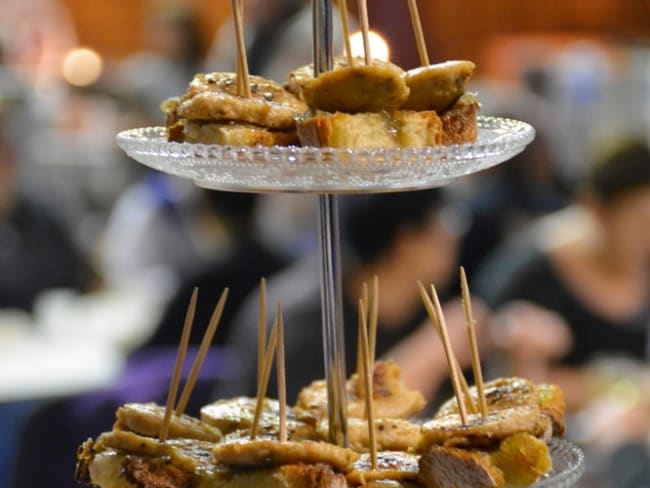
x=459, y=122
x=229, y=133
x=372, y=130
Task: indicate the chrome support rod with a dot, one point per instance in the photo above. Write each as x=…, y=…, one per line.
x=331, y=283
x=331, y=298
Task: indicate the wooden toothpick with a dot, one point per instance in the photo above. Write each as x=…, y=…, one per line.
x=367, y=376
x=452, y=361
x=435, y=314
x=178, y=367
x=345, y=27
x=243, y=85
x=261, y=331
x=264, y=381
x=419, y=34
x=282, y=380
x=471, y=333
x=365, y=28
x=203, y=350
x=373, y=318
x=428, y=304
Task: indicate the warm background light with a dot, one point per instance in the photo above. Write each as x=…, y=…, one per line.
x=378, y=46
x=82, y=67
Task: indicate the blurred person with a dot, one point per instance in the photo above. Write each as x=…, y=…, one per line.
x=36, y=35
x=243, y=259
x=582, y=289
x=37, y=252
x=156, y=233
x=168, y=62
x=506, y=198
x=401, y=238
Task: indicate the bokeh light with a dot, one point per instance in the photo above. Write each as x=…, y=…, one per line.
x=378, y=46
x=82, y=67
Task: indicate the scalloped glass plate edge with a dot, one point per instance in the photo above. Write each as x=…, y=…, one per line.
x=568, y=465
x=326, y=170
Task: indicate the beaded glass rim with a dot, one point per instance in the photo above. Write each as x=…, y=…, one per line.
x=326, y=170
x=568, y=465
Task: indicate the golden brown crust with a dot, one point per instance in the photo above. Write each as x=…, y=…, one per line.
x=392, y=398
x=176, y=132
x=234, y=417
x=391, y=434
x=214, y=97
x=391, y=465
x=146, y=419
x=154, y=473
x=499, y=394
x=479, y=431
x=261, y=453
x=459, y=123
x=85, y=454
x=553, y=404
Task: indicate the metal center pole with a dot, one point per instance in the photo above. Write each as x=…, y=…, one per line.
x=331, y=283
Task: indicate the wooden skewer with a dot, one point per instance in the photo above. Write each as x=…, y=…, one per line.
x=282, y=379
x=203, y=350
x=373, y=318
x=364, y=299
x=419, y=34
x=264, y=381
x=450, y=355
x=435, y=314
x=471, y=332
x=363, y=17
x=238, y=71
x=345, y=27
x=367, y=376
x=261, y=331
x=428, y=304
x=180, y=358
x=241, y=50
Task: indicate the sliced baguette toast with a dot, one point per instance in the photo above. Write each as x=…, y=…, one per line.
x=229, y=133
x=372, y=130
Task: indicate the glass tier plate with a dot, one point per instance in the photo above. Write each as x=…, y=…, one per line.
x=568, y=465
x=326, y=170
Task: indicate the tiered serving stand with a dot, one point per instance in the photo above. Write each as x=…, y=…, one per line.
x=328, y=172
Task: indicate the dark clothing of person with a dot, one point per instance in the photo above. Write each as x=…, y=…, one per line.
x=501, y=206
x=36, y=253
x=241, y=272
x=593, y=335
x=298, y=289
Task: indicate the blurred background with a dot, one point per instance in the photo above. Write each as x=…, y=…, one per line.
x=98, y=254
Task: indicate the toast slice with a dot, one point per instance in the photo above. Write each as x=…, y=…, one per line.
x=228, y=133
x=459, y=122
x=372, y=130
